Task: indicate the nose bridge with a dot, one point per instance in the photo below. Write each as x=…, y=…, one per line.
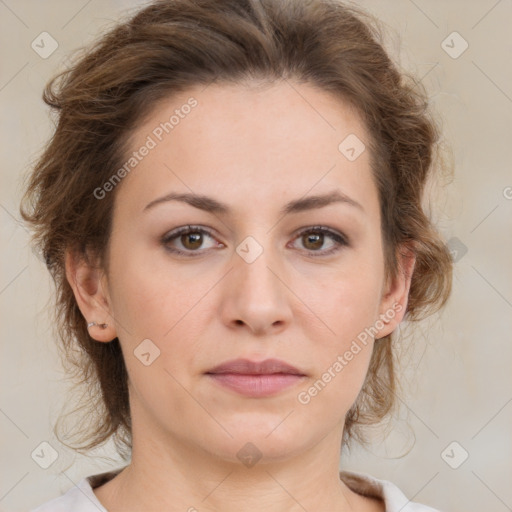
x=253, y=261
x=257, y=297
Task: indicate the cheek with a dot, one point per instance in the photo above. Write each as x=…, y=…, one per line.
x=343, y=357
x=160, y=305
x=334, y=390
x=155, y=302
x=344, y=300
x=348, y=312
x=149, y=297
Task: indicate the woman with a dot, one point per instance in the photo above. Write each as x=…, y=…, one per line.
x=231, y=209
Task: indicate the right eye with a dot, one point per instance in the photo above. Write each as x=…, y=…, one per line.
x=191, y=238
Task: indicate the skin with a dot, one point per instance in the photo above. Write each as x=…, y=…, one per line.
x=253, y=148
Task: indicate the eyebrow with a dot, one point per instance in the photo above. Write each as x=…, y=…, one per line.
x=211, y=205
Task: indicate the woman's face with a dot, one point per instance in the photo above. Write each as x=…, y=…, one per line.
x=254, y=279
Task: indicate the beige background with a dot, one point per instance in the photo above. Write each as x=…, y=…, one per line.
x=458, y=385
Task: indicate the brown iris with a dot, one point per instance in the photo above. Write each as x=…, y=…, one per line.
x=192, y=240
x=313, y=240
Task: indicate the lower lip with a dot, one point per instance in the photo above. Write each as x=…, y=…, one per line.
x=256, y=385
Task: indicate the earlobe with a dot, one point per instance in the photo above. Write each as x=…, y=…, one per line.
x=91, y=295
x=396, y=294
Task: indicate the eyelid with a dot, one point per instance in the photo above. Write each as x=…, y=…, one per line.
x=325, y=230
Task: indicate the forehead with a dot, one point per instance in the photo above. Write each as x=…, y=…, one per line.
x=250, y=144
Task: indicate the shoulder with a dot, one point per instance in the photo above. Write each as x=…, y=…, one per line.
x=80, y=498
x=394, y=499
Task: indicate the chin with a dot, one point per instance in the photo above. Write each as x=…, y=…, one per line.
x=265, y=441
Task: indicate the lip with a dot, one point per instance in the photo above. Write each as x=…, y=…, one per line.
x=256, y=379
x=248, y=367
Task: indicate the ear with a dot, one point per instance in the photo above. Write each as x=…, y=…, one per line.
x=89, y=284
x=395, y=295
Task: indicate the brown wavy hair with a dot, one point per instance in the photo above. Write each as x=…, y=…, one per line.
x=170, y=46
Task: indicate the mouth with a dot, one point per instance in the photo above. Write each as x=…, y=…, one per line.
x=256, y=379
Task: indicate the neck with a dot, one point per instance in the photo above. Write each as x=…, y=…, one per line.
x=183, y=478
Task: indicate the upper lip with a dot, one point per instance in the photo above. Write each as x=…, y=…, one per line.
x=247, y=367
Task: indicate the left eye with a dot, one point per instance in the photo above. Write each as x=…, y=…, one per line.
x=315, y=237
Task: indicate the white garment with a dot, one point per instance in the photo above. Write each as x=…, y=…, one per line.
x=81, y=498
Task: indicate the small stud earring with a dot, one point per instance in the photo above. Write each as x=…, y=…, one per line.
x=102, y=326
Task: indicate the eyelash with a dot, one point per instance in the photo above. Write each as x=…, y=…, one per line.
x=339, y=239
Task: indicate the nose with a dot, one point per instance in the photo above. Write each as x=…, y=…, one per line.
x=255, y=296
